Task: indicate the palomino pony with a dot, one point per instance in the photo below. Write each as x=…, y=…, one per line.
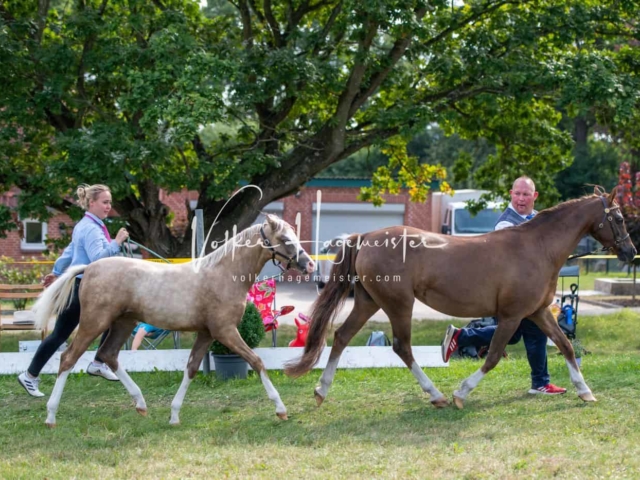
x=510, y=274
x=115, y=292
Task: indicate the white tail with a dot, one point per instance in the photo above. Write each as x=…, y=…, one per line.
x=56, y=297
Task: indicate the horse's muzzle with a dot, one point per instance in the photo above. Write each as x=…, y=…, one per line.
x=310, y=267
x=307, y=265
x=626, y=253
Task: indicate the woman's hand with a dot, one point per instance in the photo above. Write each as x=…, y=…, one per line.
x=49, y=279
x=122, y=235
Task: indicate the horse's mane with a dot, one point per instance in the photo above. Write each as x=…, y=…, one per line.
x=549, y=214
x=240, y=239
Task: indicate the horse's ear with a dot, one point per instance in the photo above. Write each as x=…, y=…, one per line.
x=272, y=220
x=613, y=195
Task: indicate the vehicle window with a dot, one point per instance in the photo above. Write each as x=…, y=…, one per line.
x=483, y=222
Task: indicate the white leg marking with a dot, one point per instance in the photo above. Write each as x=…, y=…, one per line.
x=577, y=379
x=469, y=384
x=272, y=393
x=176, y=404
x=132, y=388
x=54, y=400
x=327, y=377
x=425, y=383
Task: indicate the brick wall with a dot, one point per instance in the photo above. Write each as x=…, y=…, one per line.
x=416, y=214
x=178, y=203
x=11, y=245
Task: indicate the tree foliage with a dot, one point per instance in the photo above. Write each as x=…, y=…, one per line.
x=143, y=95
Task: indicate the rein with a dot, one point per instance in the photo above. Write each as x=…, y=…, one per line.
x=597, y=250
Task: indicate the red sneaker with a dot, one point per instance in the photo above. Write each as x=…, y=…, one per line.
x=549, y=389
x=450, y=342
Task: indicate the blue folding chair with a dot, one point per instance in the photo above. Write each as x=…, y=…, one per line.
x=154, y=338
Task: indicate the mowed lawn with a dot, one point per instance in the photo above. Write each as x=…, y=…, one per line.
x=374, y=423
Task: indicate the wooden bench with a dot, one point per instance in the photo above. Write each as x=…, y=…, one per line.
x=13, y=292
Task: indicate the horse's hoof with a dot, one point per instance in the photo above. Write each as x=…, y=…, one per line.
x=50, y=425
x=142, y=411
x=174, y=424
x=319, y=398
x=587, y=397
x=441, y=402
x=282, y=416
x=459, y=402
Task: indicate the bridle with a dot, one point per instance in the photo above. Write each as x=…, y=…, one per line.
x=274, y=253
x=609, y=217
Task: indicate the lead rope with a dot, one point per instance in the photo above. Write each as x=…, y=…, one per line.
x=130, y=252
x=130, y=255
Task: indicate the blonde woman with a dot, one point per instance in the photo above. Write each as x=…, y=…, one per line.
x=90, y=241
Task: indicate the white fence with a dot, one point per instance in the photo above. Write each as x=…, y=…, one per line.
x=273, y=358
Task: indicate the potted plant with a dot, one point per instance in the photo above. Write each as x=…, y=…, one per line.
x=228, y=364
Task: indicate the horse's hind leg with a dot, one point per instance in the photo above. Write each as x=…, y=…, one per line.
x=400, y=316
x=119, y=332
x=364, y=307
x=544, y=319
x=200, y=347
x=230, y=337
x=67, y=360
x=505, y=330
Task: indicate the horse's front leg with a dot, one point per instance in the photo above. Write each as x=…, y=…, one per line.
x=549, y=326
x=200, y=348
x=505, y=330
x=231, y=338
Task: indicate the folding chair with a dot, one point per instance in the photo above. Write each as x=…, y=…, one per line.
x=263, y=296
x=151, y=342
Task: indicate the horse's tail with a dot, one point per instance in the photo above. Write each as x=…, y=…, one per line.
x=56, y=297
x=326, y=307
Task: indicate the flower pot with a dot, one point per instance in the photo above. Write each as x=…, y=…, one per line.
x=230, y=366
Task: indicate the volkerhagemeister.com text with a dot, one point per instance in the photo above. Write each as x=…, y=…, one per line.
x=307, y=278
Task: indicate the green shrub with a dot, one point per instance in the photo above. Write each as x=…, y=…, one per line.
x=251, y=330
x=28, y=272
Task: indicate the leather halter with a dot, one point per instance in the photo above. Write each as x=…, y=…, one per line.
x=609, y=217
x=274, y=253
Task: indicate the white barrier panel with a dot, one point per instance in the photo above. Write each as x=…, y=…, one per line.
x=273, y=358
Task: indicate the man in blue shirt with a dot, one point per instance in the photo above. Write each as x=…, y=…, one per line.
x=523, y=196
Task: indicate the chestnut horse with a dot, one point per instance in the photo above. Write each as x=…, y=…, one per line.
x=510, y=274
x=210, y=300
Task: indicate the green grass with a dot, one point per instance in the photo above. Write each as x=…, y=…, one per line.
x=374, y=423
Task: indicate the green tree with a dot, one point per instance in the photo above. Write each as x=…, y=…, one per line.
x=595, y=164
x=144, y=95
